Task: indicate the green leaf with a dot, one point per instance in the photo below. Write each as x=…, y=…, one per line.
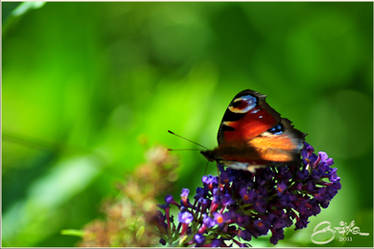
x=73, y=232
x=26, y=6
x=18, y=11
x=139, y=233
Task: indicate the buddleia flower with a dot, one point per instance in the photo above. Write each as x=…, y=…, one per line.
x=238, y=206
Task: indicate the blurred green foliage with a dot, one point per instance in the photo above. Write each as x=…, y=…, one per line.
x=87, y=87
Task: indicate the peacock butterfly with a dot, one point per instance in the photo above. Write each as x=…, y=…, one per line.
x=252, y=135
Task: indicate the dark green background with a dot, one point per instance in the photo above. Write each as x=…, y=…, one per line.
x=87, y=87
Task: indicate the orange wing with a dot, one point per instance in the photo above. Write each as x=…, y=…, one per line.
x=278, y=147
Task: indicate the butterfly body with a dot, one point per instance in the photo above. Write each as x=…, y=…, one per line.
x=253, y=134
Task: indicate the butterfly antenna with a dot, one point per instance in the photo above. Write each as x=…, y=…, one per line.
x=187, y=139
x=183, y=149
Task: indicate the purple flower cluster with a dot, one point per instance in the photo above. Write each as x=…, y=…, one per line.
x=239, y=205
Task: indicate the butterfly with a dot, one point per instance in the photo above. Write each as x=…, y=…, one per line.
x=253, y=135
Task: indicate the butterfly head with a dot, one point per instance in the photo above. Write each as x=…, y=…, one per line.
x=210, y=155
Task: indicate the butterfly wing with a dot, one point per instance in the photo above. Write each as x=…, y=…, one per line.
x=253, y=132
x=247, y=116
x=281, y=143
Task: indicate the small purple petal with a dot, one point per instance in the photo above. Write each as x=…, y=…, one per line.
x=185, y=217
x=199, y=239
x=169, y=199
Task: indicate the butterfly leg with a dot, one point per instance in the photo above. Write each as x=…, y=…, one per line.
x=219, y=176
